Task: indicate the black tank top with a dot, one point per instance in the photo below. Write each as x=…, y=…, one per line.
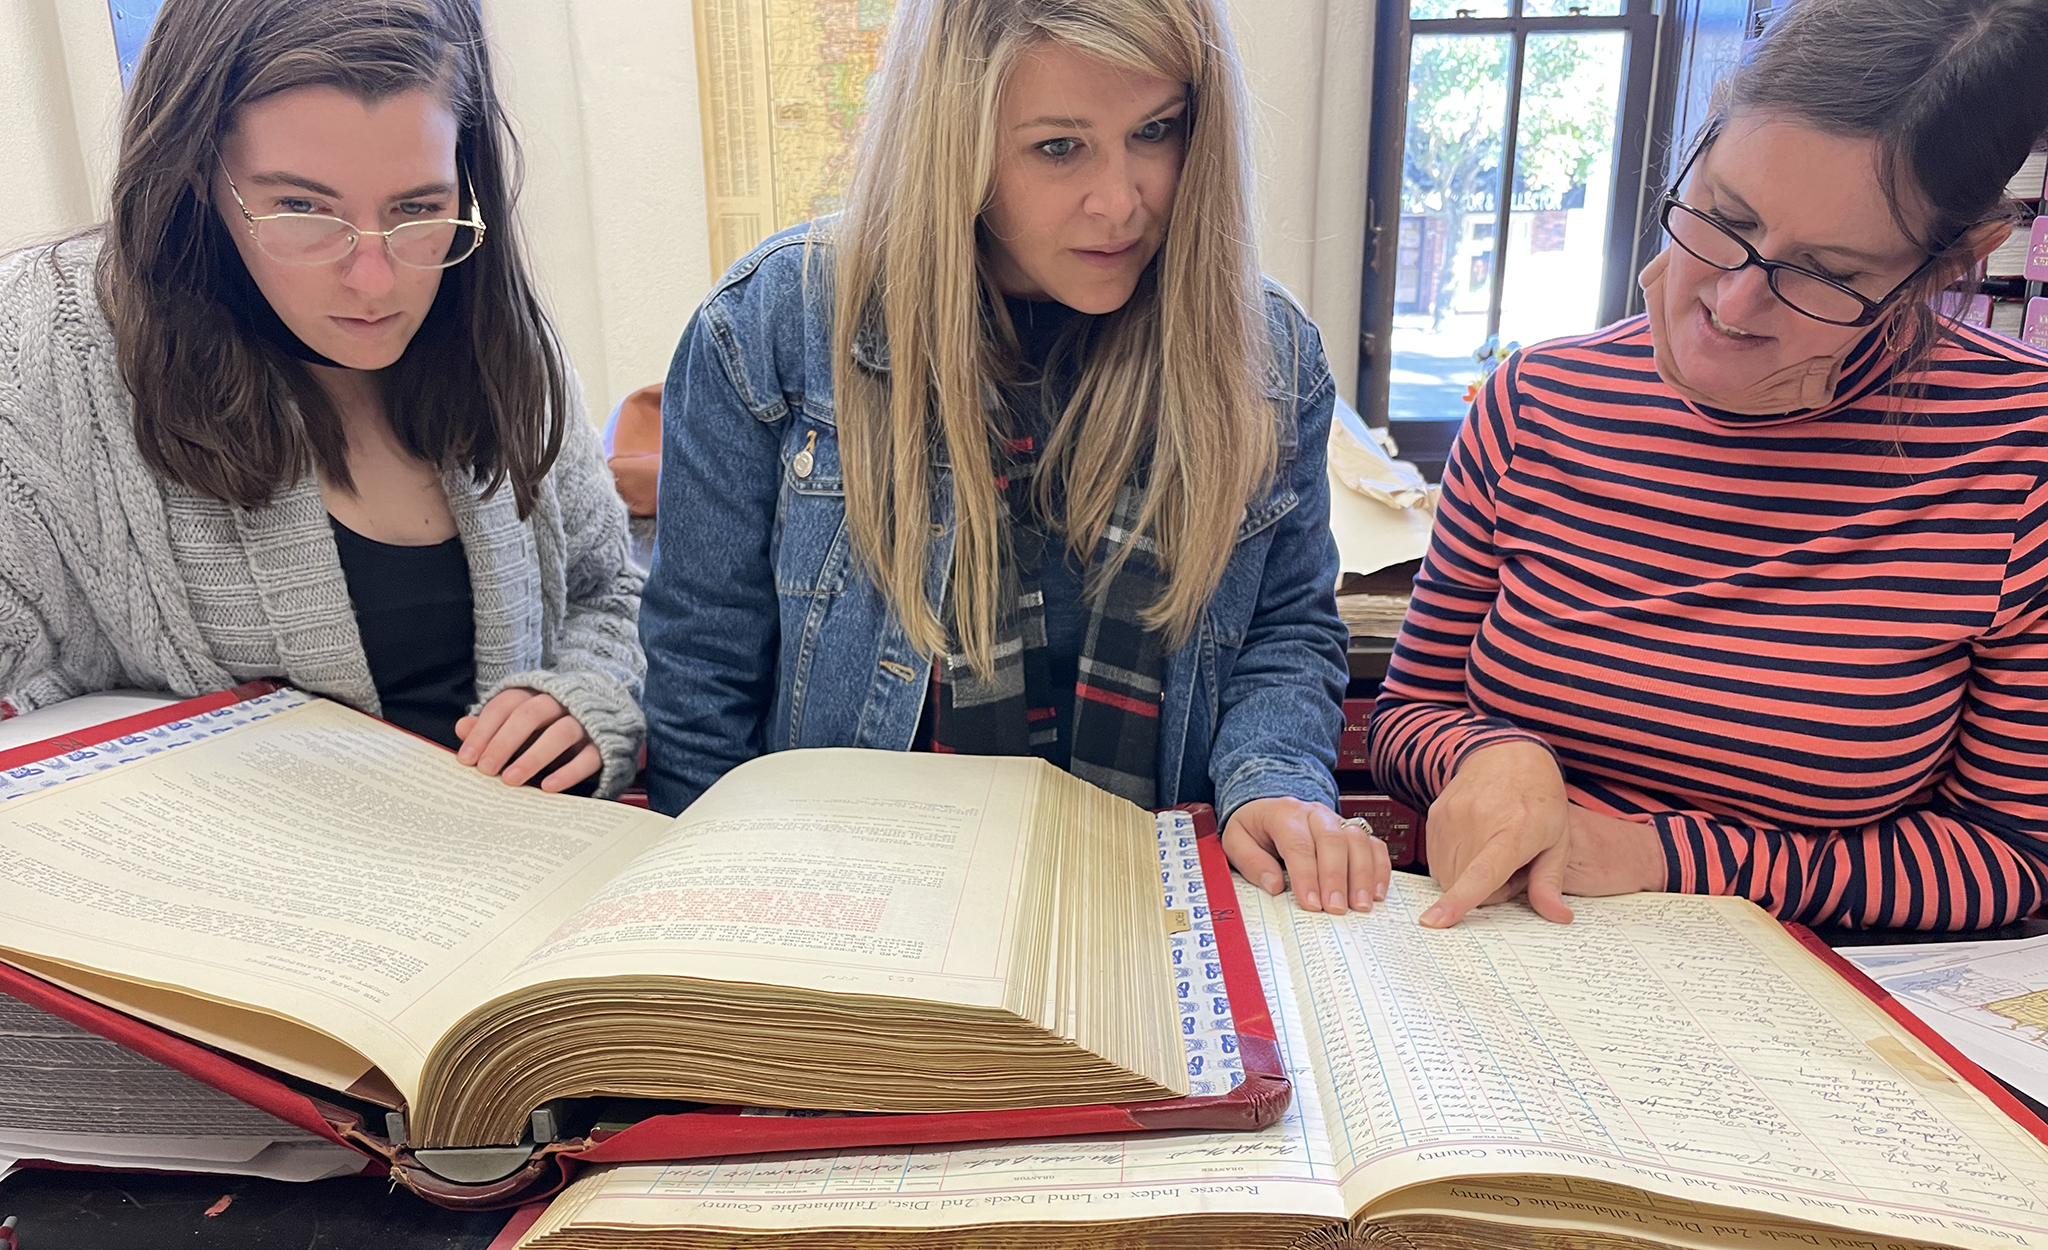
x=418, y=624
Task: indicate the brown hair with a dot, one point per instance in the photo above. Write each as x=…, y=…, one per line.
x=231, y=415
x=1950, y=92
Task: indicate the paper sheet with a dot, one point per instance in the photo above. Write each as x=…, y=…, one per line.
x=1988, y=999
x=1381, y=511
x=68, y=1095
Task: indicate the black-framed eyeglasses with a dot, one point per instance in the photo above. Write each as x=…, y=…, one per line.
x=1802, y=290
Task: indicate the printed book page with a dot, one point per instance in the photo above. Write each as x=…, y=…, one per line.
x=1287, y=1169
x=808, y=870
x=1988, y=999
x=315, y=865
x=1681, y=1045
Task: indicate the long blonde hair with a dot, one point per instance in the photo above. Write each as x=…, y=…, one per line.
x=1175, y=378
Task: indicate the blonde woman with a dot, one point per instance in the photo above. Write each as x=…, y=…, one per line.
x=1017, y=455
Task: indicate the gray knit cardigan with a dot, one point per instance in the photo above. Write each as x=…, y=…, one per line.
x=112, y=577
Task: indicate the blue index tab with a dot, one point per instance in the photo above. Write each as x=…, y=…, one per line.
x=1206, y=1025
x=99, y=757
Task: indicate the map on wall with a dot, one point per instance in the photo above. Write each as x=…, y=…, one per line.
x=781, y=86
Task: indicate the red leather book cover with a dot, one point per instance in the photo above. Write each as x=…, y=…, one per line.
x=79, y=739
x=515, y=1228
x=234, y=1077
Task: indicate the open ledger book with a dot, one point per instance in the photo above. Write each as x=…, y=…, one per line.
x=1667, y=1071
x=333, y=898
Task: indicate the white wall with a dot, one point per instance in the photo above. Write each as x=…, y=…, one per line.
x=60, y=96
x=1309, y=66
x=603, y=95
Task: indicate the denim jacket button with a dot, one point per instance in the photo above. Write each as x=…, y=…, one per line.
x=802, y=463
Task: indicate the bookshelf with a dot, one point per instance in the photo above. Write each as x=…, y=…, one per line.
x=2013, y=294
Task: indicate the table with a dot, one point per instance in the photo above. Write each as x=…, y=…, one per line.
x=138, y=1211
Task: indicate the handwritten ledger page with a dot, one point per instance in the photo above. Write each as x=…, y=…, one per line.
x=314, y=865
x=1736, y=1093
x=1736, y=1069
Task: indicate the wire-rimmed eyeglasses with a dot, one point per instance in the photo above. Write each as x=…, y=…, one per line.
x=317, y=239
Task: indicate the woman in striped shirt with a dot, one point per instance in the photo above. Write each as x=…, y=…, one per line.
x=1747, y=595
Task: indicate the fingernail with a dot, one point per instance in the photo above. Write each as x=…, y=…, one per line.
x=1270, y=883
x=1311, y=901
x=1365, y=900
x=1380, y=894
x=1433, y=917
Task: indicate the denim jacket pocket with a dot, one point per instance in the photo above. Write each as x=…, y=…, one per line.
x=814, y=555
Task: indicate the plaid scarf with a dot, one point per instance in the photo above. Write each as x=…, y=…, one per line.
x=1117, y=694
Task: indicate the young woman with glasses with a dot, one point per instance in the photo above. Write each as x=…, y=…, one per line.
x=1017, y=455
x=294, y=410
x=1747, y=595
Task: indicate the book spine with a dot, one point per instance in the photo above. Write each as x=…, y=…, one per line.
x=1351, y=747
x=1401, y=827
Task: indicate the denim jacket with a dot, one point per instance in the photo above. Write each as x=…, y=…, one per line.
x=763, y=632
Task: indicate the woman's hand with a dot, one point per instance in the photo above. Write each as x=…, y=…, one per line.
x=516, y=718
x=1610, y=855
x=1328, y=860
x=1500, y=828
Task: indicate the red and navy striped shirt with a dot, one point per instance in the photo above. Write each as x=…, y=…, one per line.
x=1809, y=650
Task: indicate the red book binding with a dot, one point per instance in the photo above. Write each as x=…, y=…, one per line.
x=1259, y=1098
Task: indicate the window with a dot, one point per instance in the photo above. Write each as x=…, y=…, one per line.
x=132, y=20
x=1519, y=144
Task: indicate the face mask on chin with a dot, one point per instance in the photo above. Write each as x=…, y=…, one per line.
x=1803, y=384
